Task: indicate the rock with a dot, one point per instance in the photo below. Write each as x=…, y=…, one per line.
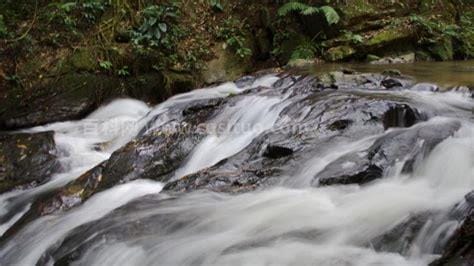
x=392, y=73
x=71, y=97
x=225, y=67
x=372, y=58
x=26, y=159
x=409, y=145
x=401, y=116
x=83, y=59
x=425, y=87
x=400, y=238
x=300, y=63
x=275, y=152
x=400, y=59
x=339, y=53
x=460, y=247
x=74, y=96
x=387, y=36
x=340, y=124
x=391, y=83
x=364, y=174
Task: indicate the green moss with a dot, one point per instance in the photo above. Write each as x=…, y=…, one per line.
x=387, y=36
x=339, y=53
x=83, y=59
x=371, y=58
x=356, y=8
x=226, y=66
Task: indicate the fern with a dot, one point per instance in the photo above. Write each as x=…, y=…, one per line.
x=306, y=10
x=292, y=7
x=331, y=15
x=310, y=10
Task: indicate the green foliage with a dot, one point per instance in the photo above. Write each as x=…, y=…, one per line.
x=105, y=65
x=432, y=30
x=233, y=33
x=70, y=13
x=123, y=72
x=304, y=51
x=159, y=27
x=3, y=28
x=332, y=17
x=216, y=5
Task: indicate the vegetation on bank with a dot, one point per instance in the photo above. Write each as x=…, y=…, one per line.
x=151, y=49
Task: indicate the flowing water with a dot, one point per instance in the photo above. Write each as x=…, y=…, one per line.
x=289, y=223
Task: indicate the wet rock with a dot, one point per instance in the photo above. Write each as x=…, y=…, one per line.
x=364, y=174
x=425, y=87
x=213, y=179
x=71, y=97
x=408, y=146
x=26, y=159
x=340, y=124
x=460, y=247
x=154, y=154
x=400, y=238
x=391, y=83
x=401, y=116
x=275, y=152
x=205, y=105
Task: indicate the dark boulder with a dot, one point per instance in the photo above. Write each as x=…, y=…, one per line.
x=26, y=159
x=391, y=83
x=275, y=152
x=401, y=115
x=70, y=97
x=340, y=124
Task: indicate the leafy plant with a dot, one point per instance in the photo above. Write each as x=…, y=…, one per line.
x=123, y=72
x=70, y=13
x=158, y=26
x=331, y=15
x=431, y=30
x=216, y=5
x=105, y=65
x=233, y=34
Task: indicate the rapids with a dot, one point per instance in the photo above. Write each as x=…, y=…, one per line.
x=290, y=221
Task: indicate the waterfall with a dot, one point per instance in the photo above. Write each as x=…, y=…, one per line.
x=287, y=222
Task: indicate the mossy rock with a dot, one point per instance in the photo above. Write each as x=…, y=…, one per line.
x=226, y=66
x=83, y=59
x=388, y=36
x=339, y=53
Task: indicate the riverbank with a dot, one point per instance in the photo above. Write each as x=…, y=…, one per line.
x=61, y=60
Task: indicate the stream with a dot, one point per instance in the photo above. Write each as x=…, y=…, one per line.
x=272, y=169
